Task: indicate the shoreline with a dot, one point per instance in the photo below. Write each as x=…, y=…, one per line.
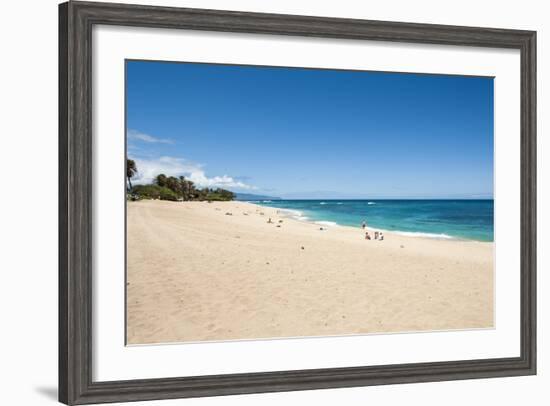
x=328, y=223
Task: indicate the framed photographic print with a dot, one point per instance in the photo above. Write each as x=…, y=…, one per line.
x=258, y=202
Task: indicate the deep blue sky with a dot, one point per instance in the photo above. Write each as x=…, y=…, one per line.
x=302, y=133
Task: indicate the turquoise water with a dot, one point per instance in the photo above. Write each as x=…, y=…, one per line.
x=462, y=219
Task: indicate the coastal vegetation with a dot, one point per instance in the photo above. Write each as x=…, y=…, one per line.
x=171, y=188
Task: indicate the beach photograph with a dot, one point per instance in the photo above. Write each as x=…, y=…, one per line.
x=283, y=202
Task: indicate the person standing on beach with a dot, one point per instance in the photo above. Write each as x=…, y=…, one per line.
x=364, y=225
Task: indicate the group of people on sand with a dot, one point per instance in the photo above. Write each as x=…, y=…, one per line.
x=378, y=235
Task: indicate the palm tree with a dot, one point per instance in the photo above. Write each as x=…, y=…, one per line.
x=191, y=191
x=183, y=185
x=172, y=183
x=161, y=180
x=131, y=170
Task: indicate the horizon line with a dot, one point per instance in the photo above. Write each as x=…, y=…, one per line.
x=372, y=198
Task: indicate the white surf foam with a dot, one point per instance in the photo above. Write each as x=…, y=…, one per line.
x=327, y=223
x=415, y=234
x=295, y=214
x=424, y=235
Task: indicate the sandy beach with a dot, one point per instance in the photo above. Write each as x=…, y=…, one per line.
x=195, y=273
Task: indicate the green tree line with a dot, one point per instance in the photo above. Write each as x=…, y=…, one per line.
x=171, y=188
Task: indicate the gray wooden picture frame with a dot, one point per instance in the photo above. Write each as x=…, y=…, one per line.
x=76, y=20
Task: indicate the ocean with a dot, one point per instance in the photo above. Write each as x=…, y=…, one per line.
x=459, y=219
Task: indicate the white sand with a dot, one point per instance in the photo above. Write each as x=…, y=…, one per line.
x=195, y=273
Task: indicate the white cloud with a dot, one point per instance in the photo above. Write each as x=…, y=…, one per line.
x=170, y=166
x=136, y=135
